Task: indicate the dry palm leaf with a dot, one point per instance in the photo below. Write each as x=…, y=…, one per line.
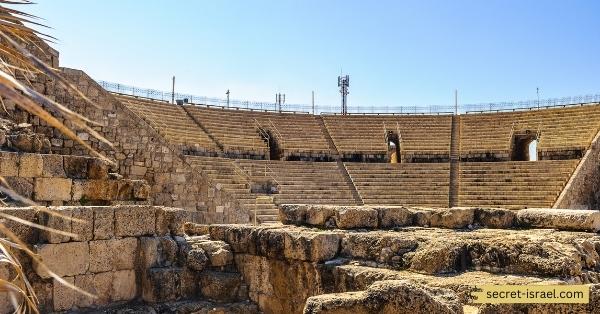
x=19, y=45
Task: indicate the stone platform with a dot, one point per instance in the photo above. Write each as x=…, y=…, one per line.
x=419, y=269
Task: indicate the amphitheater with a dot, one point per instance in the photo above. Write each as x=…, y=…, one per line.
x=209, y=209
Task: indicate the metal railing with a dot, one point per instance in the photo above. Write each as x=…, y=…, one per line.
x=278, y=136
x=358, y=109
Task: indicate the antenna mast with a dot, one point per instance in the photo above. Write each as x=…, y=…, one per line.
x=279, y=99
x=343, y=84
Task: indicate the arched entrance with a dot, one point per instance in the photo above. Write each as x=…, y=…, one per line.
x=524, y=147
x=393, y=148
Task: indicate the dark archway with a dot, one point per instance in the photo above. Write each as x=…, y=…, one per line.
x=524, y=147
x=393, y=144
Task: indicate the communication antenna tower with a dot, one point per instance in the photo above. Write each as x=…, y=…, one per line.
x=279, y=99
x=343, y=84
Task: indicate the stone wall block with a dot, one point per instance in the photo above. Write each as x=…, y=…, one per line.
x=76, y=167
x=64, y=259
x=9, y=164
x=134, y=221
x=99, y=285
x=171, y=220
x=356, y=217
x=64, y=297
x=124, y=287
x=27, y=234
x=53, y=166
x=97, y=169
x=104, y=223
x=113, y=255
x=52, y=189
x=22, y=186
x=61, y=221
x=30, y=165
x=83, y=223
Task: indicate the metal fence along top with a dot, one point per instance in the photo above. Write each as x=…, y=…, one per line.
x=362, y=109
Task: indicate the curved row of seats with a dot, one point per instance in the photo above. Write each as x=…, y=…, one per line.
x=238, y=129
x=496, y=184
x=420, y=135
x=303, y=182
x=415, y=184
x=514, y=184
x=170, y=121
x=560, y=129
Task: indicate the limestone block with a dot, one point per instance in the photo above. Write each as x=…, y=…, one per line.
x=196, y=259
x=53, y=166
x=292, y=214
x=104, y=218
x=84, y=225
x=52, y=189
x=453, y=218
x=356, y=217
x=171, y=221
x=270, y=243
x=162, y=284
x=141, y=189
x=101, y=256
x=64, y=259
x=22, y=186
x=138, y=171
x=390, y=217
x=562, y=219
x=43, y=290
x=99, y=284
x=64, y=297
x=125, y=189
x=220, y=286
x=9, y=164
x=134, y=220
x=60, y=221
x=114, y=254
x=97, y=189
x=422, y=217
x=157, y=252
x=30, y=165
x=218, y=252
x=319, y=215
x=439, y=258
x=393, y=296
x=124, y=286
x=97, y=169
x=26, y=233
x=240, y=238
x=311, y=246
x=75, y=167
x=495, y=218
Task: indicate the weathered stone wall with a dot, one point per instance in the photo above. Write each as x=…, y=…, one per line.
x=120, y=254
x=68, y=180
x=284, y=266
x=140, y=152
x=389, y=217
x=583, y=189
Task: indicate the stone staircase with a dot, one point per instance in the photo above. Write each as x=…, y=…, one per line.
x=265, y=210
x=336, y=155
x=454, y=162
x=226, y=173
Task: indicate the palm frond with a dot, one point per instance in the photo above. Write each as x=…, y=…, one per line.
x=19, y=65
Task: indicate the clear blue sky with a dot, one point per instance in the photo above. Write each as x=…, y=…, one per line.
x=396, y=52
